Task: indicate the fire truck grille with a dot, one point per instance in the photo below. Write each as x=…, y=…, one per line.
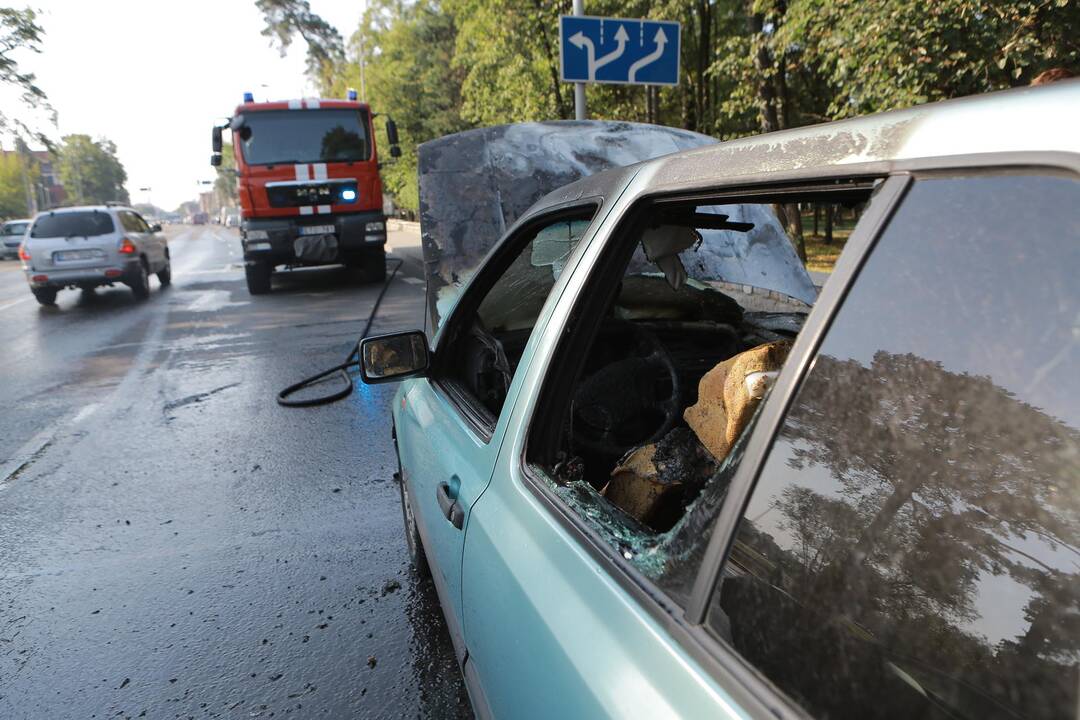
x=307, y=194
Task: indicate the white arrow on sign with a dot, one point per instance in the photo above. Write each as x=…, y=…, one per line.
x=620, y=37
x=579, y=41
x=661, y=40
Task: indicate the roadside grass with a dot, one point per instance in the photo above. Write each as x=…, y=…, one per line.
x=819, y=256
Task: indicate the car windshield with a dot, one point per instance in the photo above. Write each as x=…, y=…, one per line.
x=304, y=136
x=15, y=228
x=86, y=224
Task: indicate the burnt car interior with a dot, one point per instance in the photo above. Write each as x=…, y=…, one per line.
x=668, y=363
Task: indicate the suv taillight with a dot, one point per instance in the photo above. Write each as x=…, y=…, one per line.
x=127, y=247
x=24, y=254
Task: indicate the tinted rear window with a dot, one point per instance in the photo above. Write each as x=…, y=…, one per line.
x=83, y=224
x=15, y=228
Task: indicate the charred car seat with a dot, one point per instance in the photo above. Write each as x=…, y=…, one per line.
x=654, y=482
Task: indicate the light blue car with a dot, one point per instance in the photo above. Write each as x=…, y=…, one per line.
x=654, y=472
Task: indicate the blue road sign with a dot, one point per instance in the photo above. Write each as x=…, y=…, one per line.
x=617, y=50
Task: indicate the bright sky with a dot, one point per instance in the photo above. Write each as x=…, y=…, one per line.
x=154, y=76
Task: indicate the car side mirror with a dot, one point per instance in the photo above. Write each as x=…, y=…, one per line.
x=215, y=159
x=395, y=151
x=388, y=358
x=155, y=228
x=215, y=140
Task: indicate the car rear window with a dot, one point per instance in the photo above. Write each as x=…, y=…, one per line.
x=15, y=228
x=85, y=224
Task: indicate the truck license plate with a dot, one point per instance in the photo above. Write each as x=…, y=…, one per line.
x=317, y=229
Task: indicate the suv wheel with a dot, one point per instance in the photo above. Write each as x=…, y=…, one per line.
x=412, y=533
x=164, y=275
x=258, y=275
x=45, y=296
x=140, y=282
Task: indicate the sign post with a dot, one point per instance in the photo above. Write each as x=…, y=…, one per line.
x=579, y=88
x=616, y=50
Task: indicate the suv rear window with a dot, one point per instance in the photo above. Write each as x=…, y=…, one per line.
x=83, y=224
x=14, y=228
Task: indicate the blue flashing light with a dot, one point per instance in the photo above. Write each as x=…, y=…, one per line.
x=352, y=95
x=248, y=97
x=348, y=195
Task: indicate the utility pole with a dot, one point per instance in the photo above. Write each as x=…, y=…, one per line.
x=579, y=88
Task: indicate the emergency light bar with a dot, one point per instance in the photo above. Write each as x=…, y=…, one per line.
x=249, y=97
x=352, y=94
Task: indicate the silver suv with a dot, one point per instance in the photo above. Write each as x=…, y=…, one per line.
x=89, y=246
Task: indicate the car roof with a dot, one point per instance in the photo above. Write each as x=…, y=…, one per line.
x=1030, y=119
x=18, y=220
x=84, y=208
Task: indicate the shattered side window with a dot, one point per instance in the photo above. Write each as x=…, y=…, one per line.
x=669, y=386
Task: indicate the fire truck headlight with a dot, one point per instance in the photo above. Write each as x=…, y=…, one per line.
x=348, y=195
x=375, y=227
x=256, y=235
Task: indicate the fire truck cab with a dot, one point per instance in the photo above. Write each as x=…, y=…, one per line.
x=309, y=186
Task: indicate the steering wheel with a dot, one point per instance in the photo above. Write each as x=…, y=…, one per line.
x=631, y=401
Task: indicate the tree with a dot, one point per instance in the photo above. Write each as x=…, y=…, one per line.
x=285, y=18
x=17, y=180
x=90, y=171
x=225, y=182
x=19, y=31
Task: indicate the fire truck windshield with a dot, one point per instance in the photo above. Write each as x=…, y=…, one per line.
x=272, y=137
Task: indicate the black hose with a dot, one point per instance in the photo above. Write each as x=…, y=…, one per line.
x=351, y=361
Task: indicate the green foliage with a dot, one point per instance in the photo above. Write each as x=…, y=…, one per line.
x=90, y=171
x=225, y=182
x=440, y=66
x=19, y=31
x=285, y=18
x=18, y=175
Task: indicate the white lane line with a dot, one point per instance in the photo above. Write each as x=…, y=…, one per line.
x=85, y=412
x=13, y=303
x=412, y=280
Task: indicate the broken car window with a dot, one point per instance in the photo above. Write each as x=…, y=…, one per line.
x=672, y=379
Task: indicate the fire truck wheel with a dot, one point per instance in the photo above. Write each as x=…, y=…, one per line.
x=258, y=277
x=372, y=266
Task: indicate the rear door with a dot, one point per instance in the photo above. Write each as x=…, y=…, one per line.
x=71, y=240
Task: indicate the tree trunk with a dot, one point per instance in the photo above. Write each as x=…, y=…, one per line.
x=763, y=65
x=817, y=214
x=795, y=230
x=828, y=224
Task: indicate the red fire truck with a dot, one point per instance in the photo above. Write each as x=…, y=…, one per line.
x=309, y=186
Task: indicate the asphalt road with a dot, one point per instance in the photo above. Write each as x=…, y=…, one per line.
x=172, y=542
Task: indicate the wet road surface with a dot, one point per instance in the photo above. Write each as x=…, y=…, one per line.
x=173, y=543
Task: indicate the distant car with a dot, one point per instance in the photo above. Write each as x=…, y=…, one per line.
x=11, y=236
x=200, y=218
x=653, y=473
x=85, y=247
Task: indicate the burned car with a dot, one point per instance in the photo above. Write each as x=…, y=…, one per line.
x=653, y=472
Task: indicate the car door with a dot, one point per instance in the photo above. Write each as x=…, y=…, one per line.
x=558, y=621
x=450, y=424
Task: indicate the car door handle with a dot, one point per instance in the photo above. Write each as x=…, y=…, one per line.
x=449, y=506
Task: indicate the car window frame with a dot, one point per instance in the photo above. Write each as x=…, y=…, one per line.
x=490, y=270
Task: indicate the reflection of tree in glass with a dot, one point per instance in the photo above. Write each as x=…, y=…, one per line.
x=341, y=144
x=943, y=480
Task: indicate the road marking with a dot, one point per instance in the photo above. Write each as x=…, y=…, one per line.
x=86, y=412
x=412, y=280
x=13, y=303
x=26, y=455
